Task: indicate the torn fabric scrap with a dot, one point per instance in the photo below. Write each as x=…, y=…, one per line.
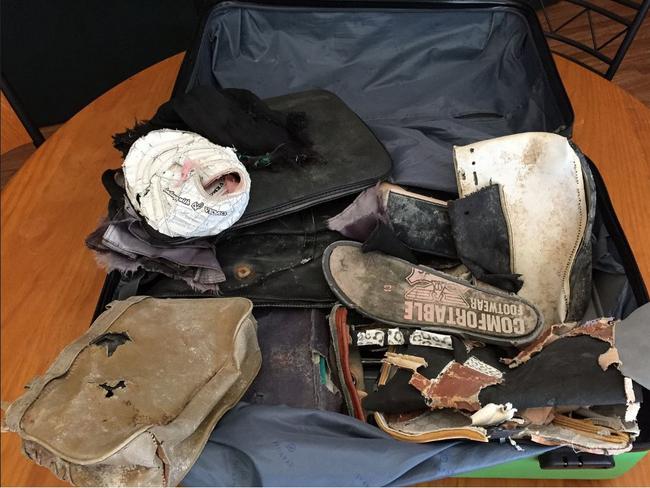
x=633, y=406
x=533, y=348
x=609, y=357
x=538, y=415
x=602, y=329
x=456, y=386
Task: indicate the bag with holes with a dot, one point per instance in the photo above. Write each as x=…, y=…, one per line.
x=133, y=400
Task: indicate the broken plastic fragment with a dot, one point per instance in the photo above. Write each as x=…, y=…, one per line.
x=428, y=426
x=581, y=434
x=632, y=405
x=471, y=344
x=591, y=428
x=611, y=420
x=533, y=348
x=325, y=372
x=475, y=363
x=629, y=390
x=632, y=411
x=430, y=339
x=632, y=342
x=395, y=337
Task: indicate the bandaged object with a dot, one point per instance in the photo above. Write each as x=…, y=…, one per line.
x=184, y=185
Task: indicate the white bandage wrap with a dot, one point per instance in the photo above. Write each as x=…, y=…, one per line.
x=177, y=181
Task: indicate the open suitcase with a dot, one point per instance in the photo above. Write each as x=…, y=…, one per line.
x=433, y=73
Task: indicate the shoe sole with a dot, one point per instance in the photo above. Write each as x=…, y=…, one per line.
x=396, y=292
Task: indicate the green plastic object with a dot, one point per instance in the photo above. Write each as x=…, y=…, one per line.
x=529, y=469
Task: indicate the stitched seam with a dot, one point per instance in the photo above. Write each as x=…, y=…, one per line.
x=577, y=241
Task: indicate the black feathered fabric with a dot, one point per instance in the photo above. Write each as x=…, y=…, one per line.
x=233, y=118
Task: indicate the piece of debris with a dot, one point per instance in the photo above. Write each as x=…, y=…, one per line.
x=404, y=361
x=493, y=414
x=456, y=386
x=602, y=329
x=538, y=415
x=609, y=357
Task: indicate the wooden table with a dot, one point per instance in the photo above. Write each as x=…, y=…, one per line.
x=50, y=281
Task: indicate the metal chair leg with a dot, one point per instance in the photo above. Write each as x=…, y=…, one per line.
x=25, y=119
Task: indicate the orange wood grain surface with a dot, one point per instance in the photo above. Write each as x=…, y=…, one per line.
x=50, y=281
x=12, y=132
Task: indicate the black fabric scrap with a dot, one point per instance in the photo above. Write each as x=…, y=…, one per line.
x=383, y=239
x=565, y=372
x=233, y=118
x=480, y=232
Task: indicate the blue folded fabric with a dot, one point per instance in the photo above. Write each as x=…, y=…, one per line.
x=260, y=445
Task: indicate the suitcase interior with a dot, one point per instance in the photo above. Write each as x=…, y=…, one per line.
x=424, y=76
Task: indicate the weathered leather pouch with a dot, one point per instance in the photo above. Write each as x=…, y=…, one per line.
x=276, y=262
x=134, y=400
